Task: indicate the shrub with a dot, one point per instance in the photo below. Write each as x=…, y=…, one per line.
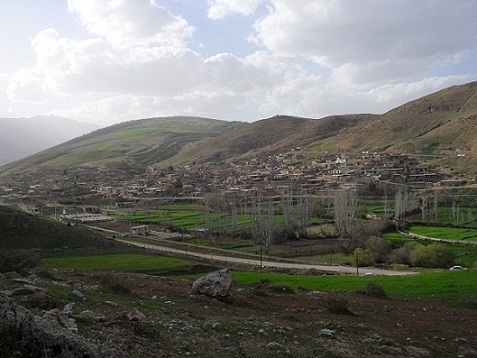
x=402, y=255
x=373, y=290
x=379, y=248
x=20, y=261
x=433, y=256
x=119, y=283
x=361, y=257
x=337, y=303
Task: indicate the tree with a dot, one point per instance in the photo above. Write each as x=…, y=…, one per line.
x=264, y=228
x=361, y=257
x=401, y=202
x=402, y=255
x=379, y=248
x=345, y=204
x=433, y=256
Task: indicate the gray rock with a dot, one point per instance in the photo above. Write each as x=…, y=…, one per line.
x=216, y=284
x=56, y=317
x=79, y=294
x=33, y=336
x=92, y=316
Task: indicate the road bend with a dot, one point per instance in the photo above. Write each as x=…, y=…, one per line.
x=271, y=264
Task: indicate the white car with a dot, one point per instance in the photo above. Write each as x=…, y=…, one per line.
x=456, y=268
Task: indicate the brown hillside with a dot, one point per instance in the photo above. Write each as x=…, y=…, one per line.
x=267, y=136
x=437, y=119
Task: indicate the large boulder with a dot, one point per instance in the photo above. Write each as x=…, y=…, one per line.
x=23, y=334
x=216, y=284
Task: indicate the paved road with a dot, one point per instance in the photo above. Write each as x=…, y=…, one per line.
x=254, y=262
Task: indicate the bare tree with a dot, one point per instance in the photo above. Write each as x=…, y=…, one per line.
x=345, y=204
x=265, y=227
x=401, y=202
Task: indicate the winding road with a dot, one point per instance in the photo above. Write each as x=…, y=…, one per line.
x=273, y=264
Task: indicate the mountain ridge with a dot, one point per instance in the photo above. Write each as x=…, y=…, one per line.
x=444, y=121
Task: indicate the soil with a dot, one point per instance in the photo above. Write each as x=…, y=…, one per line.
x=258, y=320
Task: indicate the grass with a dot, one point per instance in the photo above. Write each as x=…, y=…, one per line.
x=124, y=263
x=451, y=284
x=445, y=232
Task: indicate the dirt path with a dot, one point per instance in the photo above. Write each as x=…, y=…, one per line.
x=265, y=263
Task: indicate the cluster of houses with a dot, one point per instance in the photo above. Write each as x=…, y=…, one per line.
x=270, y=175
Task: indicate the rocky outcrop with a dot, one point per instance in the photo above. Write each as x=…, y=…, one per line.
x=216, y=284
x=23, y=334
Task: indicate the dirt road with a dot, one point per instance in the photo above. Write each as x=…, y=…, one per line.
x=256, y=263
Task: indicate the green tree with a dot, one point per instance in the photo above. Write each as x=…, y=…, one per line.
x=379, y=248
x=361, y=257
x=402, y=255
x=433, y=256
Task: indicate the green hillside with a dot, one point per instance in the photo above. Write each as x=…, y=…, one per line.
x=19, y=230
x=129, y=145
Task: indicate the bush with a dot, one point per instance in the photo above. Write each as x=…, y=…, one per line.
x=337, y=303
x=379, y=247
x=402, y=255
x=361, y=257
x=433, y=256
x=20, y=261
x=373, y=290
x=119, y=283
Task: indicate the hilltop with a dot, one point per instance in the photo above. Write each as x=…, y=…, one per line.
x=439, y=127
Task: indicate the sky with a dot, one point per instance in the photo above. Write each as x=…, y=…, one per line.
x=108, y=61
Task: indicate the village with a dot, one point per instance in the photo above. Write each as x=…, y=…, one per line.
x=91, y=188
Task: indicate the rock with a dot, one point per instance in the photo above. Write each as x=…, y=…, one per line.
x=79, y=294
x=91, y=316
x=12, y=275
x=26, y=335
x=327, y=332
x=216, y=284
x=68, y=309
x=57, y=317
x=274, y=345
x=135, y=316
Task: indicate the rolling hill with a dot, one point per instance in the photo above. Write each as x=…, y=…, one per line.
x=442, y=122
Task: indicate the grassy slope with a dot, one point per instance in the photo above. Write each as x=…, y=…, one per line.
x=19, y=230
x=442, y=284
x=142, y=142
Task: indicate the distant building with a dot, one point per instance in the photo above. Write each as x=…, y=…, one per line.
x=140, y=230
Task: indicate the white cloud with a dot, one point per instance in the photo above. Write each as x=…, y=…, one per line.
x=26, y=86
x=315, y=58
x=372, y=40
x=219, y=9
x=132, y=21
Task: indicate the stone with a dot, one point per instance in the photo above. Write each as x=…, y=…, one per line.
x=27, y=335
x=135, y=316
x=57, y=317
x=91, y=316
x=79, y=294
x=68, y=309
x=216, y=284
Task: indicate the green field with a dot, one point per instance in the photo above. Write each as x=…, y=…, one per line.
x=444, y=232
x=443, y=284
x=125, y=263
